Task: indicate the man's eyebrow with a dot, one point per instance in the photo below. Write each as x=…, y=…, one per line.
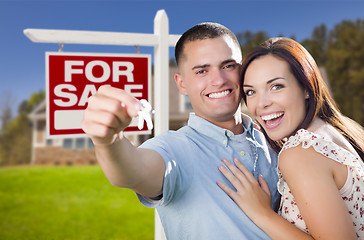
x=201, y=66
x=268, y=82
x=228, y=61
x=208, y=65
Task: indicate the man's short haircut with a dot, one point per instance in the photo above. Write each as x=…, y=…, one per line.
x=206, y=30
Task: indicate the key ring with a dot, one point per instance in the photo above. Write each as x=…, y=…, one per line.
x=145, y=113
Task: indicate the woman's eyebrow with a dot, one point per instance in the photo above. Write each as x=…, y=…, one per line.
x=274, y=79
x=268, y=82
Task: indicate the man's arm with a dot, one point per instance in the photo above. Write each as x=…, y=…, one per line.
x=109, y=112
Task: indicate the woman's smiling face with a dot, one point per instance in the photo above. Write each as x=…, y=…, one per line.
x=274, y=96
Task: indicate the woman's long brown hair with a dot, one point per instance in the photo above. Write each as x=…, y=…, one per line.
x=320, y=103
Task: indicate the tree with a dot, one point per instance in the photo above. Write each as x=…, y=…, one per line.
x=5, y=110
x=317, y=44
x=345, y=67
x=172, y=62
x=15, y=139
x=249, y=40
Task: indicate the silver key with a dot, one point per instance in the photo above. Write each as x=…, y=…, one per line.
x=145, y=113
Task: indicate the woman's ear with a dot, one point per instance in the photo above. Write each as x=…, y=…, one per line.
x=180, y=83
x=307, y=95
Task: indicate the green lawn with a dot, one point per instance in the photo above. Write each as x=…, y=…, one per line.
x=75, y=202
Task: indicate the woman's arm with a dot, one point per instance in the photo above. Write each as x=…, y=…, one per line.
x=310, y=178
x=254, y=199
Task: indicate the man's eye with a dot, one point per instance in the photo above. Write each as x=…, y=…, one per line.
x=230, y=66
x=202, y=71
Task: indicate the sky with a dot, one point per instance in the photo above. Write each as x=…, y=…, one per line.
x=22, y=62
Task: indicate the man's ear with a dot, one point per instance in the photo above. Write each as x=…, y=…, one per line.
x=180, y=83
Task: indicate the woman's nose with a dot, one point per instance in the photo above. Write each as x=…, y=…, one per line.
x=264, y=100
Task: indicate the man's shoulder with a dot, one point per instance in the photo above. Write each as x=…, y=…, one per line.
x=182, y=132
x=171, y=137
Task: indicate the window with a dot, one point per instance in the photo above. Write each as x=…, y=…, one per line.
x=188, y=106
x=68, y=143
x=90, y=144
x=80, y=143
x=77, y=143
x=49, y=142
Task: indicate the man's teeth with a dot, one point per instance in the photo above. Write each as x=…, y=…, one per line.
x=219, y=94
x=271, y=116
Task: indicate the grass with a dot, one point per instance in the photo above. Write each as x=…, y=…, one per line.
x=74, y=202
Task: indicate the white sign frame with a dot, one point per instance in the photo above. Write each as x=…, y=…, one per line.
x=77, y=115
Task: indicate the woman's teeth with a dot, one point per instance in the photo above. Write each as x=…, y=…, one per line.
x=271, y=116
x=219, y=94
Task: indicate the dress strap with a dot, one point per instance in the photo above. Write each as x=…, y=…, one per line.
x=348, y=186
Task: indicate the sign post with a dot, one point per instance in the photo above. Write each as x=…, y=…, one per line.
x=160, y=40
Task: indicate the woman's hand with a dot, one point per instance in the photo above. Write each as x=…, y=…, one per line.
x=252, y=197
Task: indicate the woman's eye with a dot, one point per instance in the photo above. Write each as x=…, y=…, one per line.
x=277, y=86
x=249, y=92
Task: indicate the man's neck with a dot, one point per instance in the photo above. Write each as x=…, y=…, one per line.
x=232, y=126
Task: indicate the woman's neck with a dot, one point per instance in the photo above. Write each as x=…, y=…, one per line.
x=316, y=124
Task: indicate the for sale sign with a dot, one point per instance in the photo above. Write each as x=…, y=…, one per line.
x=71, y=78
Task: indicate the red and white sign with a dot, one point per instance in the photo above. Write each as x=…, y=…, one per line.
x=71, y=78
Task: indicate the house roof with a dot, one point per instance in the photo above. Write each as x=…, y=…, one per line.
x=39, y=112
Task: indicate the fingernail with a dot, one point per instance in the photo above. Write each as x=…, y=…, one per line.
x=138, y=106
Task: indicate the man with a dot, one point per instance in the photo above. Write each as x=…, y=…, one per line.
x=177, y=171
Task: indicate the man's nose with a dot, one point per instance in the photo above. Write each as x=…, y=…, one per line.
x=217, y=76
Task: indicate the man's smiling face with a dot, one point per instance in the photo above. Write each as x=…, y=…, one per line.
x=209, y=75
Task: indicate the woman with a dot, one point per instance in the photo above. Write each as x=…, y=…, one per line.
x=320, y=167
